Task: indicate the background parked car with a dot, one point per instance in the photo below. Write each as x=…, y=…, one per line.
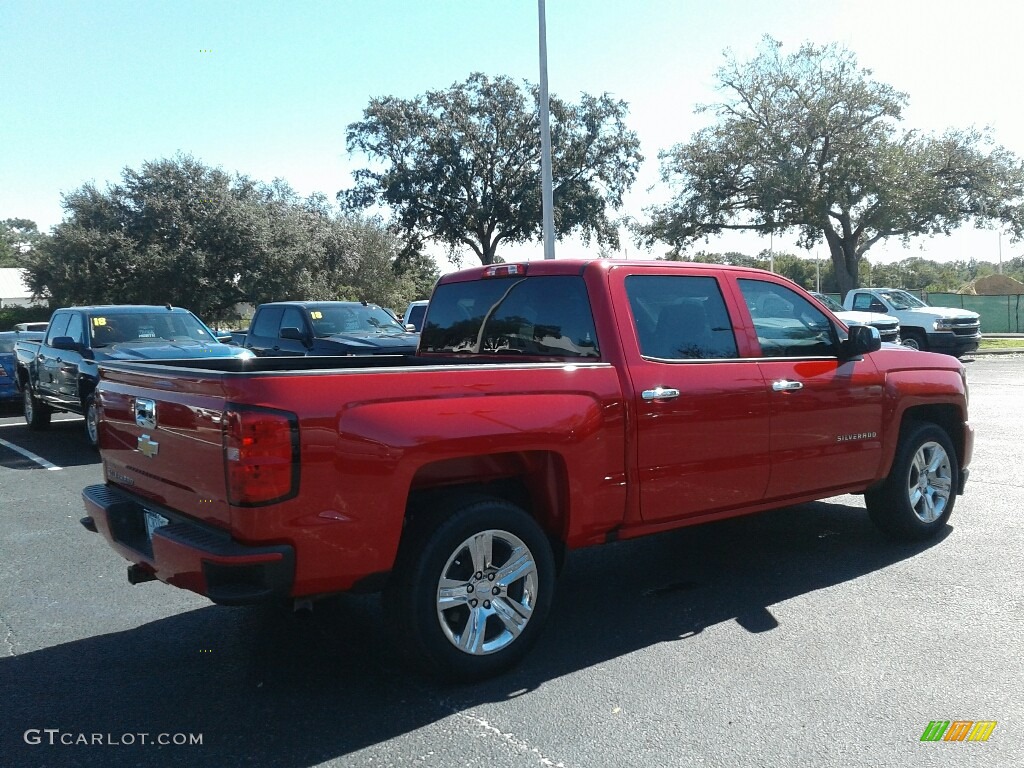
x=31, y=326
x=287, y=328
x=414, y=315
x=9, y=393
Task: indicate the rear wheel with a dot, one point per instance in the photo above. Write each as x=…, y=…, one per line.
x=471, y=590
x=917, y=498
x=37, y=414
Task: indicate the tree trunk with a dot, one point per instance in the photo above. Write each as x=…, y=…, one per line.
x=845, y=261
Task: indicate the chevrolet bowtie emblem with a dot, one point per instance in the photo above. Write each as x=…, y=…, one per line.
x=148, y=448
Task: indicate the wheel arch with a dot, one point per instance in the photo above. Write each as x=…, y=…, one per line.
x=947, y=416
x=536, y=481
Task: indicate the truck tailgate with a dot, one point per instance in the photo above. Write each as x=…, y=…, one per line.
x=151, y=424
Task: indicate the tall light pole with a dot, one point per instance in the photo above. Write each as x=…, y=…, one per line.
x=547, y=197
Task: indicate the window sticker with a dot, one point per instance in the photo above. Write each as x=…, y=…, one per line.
x=99, y=321
x=316, y=314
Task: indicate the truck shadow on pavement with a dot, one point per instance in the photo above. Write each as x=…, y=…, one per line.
x=63, y=443
x=268, y=687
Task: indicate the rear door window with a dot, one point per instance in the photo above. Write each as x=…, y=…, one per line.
x=680, y=317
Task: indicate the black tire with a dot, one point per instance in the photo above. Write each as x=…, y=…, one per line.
x=92, y=424
x=915, y=339
x=37, y=413
x=490, y=622
x=917, y=498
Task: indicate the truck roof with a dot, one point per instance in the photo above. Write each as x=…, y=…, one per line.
x=127, y=309
x=578, y=266
x=318, y=304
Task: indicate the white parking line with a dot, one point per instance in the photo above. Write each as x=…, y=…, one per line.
x=29, y=455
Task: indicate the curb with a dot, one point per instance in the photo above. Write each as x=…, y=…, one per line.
x=985, y=352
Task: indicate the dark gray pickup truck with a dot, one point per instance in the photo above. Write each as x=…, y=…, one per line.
x=291, y=328
x=60, y=372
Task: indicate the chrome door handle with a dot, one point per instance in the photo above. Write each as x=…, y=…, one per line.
x=659, y=393
x=786, y=386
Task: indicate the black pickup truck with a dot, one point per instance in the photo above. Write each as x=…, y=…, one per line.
x=60, y=372
x=291, y=328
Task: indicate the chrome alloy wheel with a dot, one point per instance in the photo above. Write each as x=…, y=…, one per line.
x=487, y=592
x=92, y=427
x=930, y=482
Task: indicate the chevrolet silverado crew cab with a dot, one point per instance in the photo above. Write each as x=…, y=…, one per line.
x=939, y=329
x=59, y=373
x=292, y=328
x=551, y=405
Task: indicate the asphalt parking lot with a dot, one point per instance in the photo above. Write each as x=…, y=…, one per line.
x=796, y=637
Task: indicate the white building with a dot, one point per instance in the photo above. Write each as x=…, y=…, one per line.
x=13, y=291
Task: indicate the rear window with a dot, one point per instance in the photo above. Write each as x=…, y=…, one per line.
x=538, y=316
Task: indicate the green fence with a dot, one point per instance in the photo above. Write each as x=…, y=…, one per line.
x=999, y=314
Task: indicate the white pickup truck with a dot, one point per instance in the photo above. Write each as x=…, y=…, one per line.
x=887, y=325
x=938, y=329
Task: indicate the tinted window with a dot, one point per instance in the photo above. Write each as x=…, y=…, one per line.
x=292, y=318
x=680, y=318
x=865, y=302
x=416, y=314
x=539, y=316
x=787, y=324
x=58, y=326
x=268, y=320
x=76, y=329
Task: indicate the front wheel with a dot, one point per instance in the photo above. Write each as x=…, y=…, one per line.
x=917, y=498
x=915, y=339
x=471, y=590
x=37, y=414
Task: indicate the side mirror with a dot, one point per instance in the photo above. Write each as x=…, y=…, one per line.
x=65, y=342
x=294, y=334
x=410, y=328
x=863, y=339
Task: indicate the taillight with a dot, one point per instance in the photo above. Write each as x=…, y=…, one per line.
x=261, y=455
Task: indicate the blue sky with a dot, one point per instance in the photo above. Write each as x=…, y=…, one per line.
x=268, y=88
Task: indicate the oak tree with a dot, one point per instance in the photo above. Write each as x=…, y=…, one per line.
x=461, y=166
x=810, y=143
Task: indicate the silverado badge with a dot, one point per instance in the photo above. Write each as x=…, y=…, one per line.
x=148, y=448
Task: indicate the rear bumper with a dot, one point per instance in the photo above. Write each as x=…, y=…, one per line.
x=189, y=554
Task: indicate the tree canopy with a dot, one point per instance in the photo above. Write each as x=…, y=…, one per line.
x=17, y=238
x=461, y=166
x=811, y=143
x=178, y=231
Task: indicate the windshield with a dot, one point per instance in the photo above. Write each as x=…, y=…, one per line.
x=828, y=301
x=902, y=300
x=328, y=320
x=143, y=327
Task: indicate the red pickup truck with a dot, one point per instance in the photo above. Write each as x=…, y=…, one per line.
x=551, y=405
